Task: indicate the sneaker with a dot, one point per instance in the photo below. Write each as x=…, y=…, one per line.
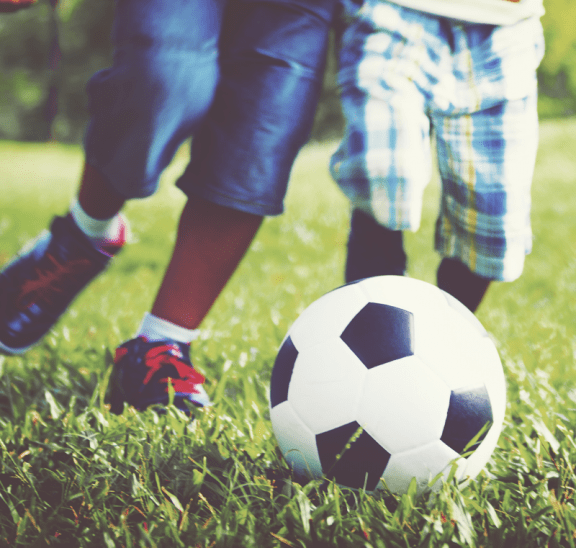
x=142, y=371
x=39, y=284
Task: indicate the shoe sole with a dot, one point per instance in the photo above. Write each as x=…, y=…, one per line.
x=7, y=351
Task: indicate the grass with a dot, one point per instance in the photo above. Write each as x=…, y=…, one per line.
x=72, y=474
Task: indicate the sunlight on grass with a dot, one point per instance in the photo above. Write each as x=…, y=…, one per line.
x=72, y=474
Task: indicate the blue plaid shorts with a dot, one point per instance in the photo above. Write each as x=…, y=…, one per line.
x=406, y=75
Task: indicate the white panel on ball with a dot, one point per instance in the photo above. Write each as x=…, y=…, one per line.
x=453, y=348
x=473, y=321
x=297, y=443
x=328, y=316
x=403, y=404
x=424, y=463
x=326, y=384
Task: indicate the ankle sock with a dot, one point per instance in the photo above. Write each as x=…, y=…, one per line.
x=155, y=329
x=99, y=231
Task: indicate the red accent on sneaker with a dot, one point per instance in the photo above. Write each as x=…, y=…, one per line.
x=120, y=353
x=7, y=6
x=49, y=281
x=111, y=247
x=170, y=354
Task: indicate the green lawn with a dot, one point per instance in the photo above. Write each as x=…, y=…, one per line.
x=72, y=474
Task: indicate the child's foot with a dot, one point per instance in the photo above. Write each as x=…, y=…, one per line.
x=142, y=371
x=39, y=284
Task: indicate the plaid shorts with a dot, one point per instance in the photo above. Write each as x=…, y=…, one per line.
x=406, y=75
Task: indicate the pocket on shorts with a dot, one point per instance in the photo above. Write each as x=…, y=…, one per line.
x=282, y=33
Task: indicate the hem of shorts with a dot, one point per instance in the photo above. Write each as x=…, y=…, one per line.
x=233, y=202
x=145, y=190
x=492, y=267
x=487, y=267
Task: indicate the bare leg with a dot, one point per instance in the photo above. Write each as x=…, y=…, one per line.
x=373, y=250
x=457, y=279
x=97, y=198
x=211, y=241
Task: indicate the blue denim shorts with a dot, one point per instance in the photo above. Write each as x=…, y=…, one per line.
x=241, y=76
x=406, y=75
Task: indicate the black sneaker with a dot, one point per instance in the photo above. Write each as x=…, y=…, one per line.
x=39, y=284
x=142, y=371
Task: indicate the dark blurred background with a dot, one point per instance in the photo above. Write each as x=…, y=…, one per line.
x=42, y=87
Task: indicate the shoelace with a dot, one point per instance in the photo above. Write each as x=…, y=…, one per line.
x=51, y=278
x=170, y=354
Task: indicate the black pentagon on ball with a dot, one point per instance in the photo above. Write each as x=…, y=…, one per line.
x=469, y=413
x=282, y=372
x=360, y=465
x=380, y=334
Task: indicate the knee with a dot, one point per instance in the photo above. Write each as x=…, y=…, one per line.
x=150, y=88
x=140, y=112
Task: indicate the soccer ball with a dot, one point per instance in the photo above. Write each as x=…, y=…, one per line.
x=389, y=379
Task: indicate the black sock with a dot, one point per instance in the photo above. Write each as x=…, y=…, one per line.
x=457, y=279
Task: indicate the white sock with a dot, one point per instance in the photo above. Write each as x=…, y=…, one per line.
x=155, y=329
x=97, y=230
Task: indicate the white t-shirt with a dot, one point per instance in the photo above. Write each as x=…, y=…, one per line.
x=491, y=12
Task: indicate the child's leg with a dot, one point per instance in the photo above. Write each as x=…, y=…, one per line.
x=457, y=279
x=96, y=212
x=211, y=241
x=97, y=197
x=483, y=230
x=383, y=162
x=486, y=154
x=243, y=152
x=373, y=250
x=272, y=62
x=159, y=87
x=272, y=59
